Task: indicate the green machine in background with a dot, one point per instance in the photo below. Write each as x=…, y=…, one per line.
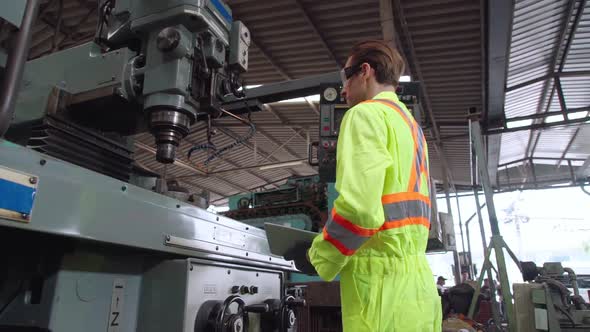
x=302, y=202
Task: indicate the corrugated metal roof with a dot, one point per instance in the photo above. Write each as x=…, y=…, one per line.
x=548, y=37
x=513, y=146
x=534, y=21
x=447, y=41
x=581, y=145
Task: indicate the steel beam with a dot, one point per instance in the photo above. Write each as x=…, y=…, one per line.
x=278, y=143
x=311, y=22
x=233, y=135
x=584, y=170
x=268, y=57
x=498, y=36
x=548, y=114
x=60, y=12
x=538, y=126
x=235, y=165
x=497, y=243
x=425, y=97
x=388, y=23
x=577, y=73
x=270, y=93
x=282, y=146
x=532, y=142
x=573, y=32
x=15, y=65
x=91, y=10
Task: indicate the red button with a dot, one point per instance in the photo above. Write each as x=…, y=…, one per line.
x=326, y=128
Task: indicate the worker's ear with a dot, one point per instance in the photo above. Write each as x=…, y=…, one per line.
x=365, y=70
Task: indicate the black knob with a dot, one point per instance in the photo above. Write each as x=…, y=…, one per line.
x=244, y=290
x=168, y=39
x=296, y=303
x=235, y=289
x=257, y=308
x=253, y=290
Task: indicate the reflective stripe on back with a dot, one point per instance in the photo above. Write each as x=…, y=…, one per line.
x=400, y=209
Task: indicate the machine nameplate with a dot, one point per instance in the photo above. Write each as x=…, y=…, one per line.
x=210, y=289
x=17, y=194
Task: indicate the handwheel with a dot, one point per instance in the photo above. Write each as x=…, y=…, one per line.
x=232, y=322
x=217, y=316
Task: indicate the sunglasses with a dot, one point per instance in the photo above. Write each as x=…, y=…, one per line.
x=348, y=72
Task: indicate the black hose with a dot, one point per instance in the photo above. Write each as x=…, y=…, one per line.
x=204, y=146
x=239, y=141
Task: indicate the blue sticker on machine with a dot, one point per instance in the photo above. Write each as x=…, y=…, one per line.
x=222, y=10
x=16, y=197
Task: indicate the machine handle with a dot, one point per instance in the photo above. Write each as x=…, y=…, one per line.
x=296, y=303
x=257, y=308
x=310, y=154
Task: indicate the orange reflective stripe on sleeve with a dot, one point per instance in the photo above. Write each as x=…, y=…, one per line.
x=400, y=210
x=345, y=235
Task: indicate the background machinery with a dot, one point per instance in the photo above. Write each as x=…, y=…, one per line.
x=546, y=303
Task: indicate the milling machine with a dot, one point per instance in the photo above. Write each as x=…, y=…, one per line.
x=83, y=247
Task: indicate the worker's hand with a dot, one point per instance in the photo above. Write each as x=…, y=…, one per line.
x=298, y=254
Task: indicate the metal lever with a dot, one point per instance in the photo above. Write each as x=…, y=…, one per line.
x=257, y=308
x=310, y=154
x=296, y=303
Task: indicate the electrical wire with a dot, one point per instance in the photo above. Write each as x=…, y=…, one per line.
x=104, y=12
x=239, y=141
x=209, y=146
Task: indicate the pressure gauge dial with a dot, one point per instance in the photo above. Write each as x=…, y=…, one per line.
x=330, y=94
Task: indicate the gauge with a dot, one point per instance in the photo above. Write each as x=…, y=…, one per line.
x=330, y=94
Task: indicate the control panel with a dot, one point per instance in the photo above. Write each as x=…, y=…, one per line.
x=206, y=296
x=332, y=110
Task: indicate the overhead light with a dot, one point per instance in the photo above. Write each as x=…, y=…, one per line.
x=554, y=118
x=519, y=123
x=280, y=165
x=577, y=115
x=312, y=98
x=248, y=87
x=405, y=78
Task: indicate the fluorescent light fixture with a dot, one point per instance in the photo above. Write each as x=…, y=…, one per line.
x=519, y=123
x=312, y=98
x=279, y=165
x=405, y=78
x=577, y=115
x=248, y=87
x=554, y=118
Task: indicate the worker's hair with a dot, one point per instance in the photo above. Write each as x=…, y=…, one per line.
x=384, y=59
